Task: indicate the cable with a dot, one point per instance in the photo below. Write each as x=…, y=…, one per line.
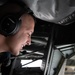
x=26, y=54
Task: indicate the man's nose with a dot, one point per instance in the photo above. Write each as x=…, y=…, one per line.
x=29, y=41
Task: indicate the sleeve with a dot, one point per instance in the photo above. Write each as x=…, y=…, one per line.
x=51, y=10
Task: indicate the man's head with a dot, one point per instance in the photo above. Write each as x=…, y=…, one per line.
x=22, y=38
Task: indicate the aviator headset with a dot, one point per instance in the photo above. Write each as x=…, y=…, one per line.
x=10, y=13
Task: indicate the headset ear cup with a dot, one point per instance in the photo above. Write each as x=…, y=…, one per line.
x=18, y=24
x=9, y=25
x=9, y=21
